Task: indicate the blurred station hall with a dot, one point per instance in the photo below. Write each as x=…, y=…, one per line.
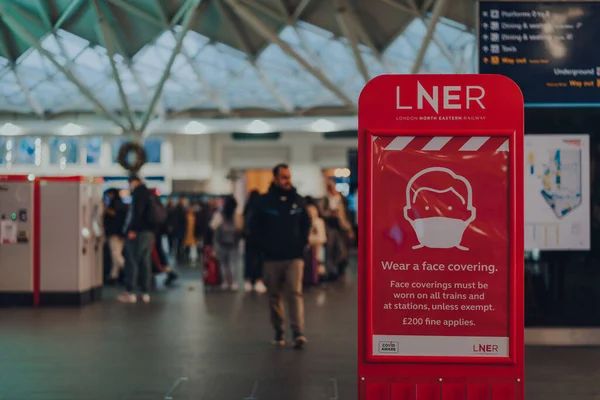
x=179, y=193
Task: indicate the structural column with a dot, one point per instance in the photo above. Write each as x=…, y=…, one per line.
x=306, y=174
x=166, y=162
x=218, y=183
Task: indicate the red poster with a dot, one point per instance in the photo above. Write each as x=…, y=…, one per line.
x=441, y=238
x=440, y=259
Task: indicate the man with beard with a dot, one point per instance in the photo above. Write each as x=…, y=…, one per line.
x=280, y=227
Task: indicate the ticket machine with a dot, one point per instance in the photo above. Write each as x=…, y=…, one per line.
x=19, y=262
x=70, y=240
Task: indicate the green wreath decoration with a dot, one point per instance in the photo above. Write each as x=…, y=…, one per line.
x=139, y=154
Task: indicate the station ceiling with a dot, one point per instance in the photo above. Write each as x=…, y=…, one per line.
x=132, y=61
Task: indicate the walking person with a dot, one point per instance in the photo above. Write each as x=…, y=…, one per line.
x=280, y=226
x=334, y=211
x=169, y=224
x=115, y=213
x=190, y=241
x=316, y=240
x=178, y=221
x=163, y=232
x=227, y=226
x=253, y=263
x=139, y=231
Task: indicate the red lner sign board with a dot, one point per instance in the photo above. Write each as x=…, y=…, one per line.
x=441, y=261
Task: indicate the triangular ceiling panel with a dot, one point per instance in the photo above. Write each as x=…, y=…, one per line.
x=228, y=60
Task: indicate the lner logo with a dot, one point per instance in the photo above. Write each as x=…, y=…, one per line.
x=388, y=347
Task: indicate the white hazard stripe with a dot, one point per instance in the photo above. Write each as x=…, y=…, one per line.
x=474, y=143
x=399, y=143
x=437, y=143
x=504, y=146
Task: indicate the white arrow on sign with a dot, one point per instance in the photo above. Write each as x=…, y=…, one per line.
x=485, y=25
x=485, y=49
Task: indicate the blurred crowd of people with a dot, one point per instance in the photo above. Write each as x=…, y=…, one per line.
x=288, y=242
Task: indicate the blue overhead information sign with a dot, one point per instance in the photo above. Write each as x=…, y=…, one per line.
x=549, y=48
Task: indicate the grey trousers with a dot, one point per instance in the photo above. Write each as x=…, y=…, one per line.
x=138, y=262
x=285, y=277
x=229, y=260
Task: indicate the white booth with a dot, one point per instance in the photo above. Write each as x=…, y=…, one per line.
x=19, y=260
x=71, y=240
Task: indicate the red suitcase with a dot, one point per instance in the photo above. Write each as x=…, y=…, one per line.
x=211, y=271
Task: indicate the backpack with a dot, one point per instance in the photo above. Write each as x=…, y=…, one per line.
x=157, y=215
x=227, y=234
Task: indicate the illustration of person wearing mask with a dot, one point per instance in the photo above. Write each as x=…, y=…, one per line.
x=439, y=207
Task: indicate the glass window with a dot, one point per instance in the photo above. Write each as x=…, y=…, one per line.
x=115, y=145
x=152, y=146
x=6, y=150
x=63, y=150
x=29, y=150
x=92, y=146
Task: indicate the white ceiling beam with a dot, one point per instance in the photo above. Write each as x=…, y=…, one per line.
x=438, y=42
x=33, y=103
x=239, y=37
x=44, y=13
x=5, y=47
x=356, y=21
x=161, y=12
x=426, y=5
x=75, y=101
x=328, y=96
x=341, y=15
x=401, y=7
x=312, y=54
x=217, y=99
x=163, y=23
x=438, y=10
x=188, y=19
x=268, y=34
x=142, y=85
x=28, y=38
x=283, y=8
x=265, y=10
x=182, y=12
x=127, y=6
x=162, y=112
x=285, y=103
x=243, y=43
x=107, y=37
x=71, y=9
x=300, y=9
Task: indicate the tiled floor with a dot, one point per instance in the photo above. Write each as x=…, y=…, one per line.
x=188, y=345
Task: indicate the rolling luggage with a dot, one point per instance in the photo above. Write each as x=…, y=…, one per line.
x=211, y=272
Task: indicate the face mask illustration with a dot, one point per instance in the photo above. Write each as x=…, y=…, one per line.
x=439, y=231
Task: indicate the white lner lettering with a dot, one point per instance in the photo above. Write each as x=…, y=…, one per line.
x=470, y=90
x=452, y=93
x=432, y=98
x=453, y=98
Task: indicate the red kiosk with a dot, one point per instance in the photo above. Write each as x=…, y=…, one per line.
x=441, y=261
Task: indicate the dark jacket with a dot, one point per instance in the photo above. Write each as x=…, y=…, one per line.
x=280, y=225
x=139, y=212
x=201, y=222
x=178, y=221
x=114, y=217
